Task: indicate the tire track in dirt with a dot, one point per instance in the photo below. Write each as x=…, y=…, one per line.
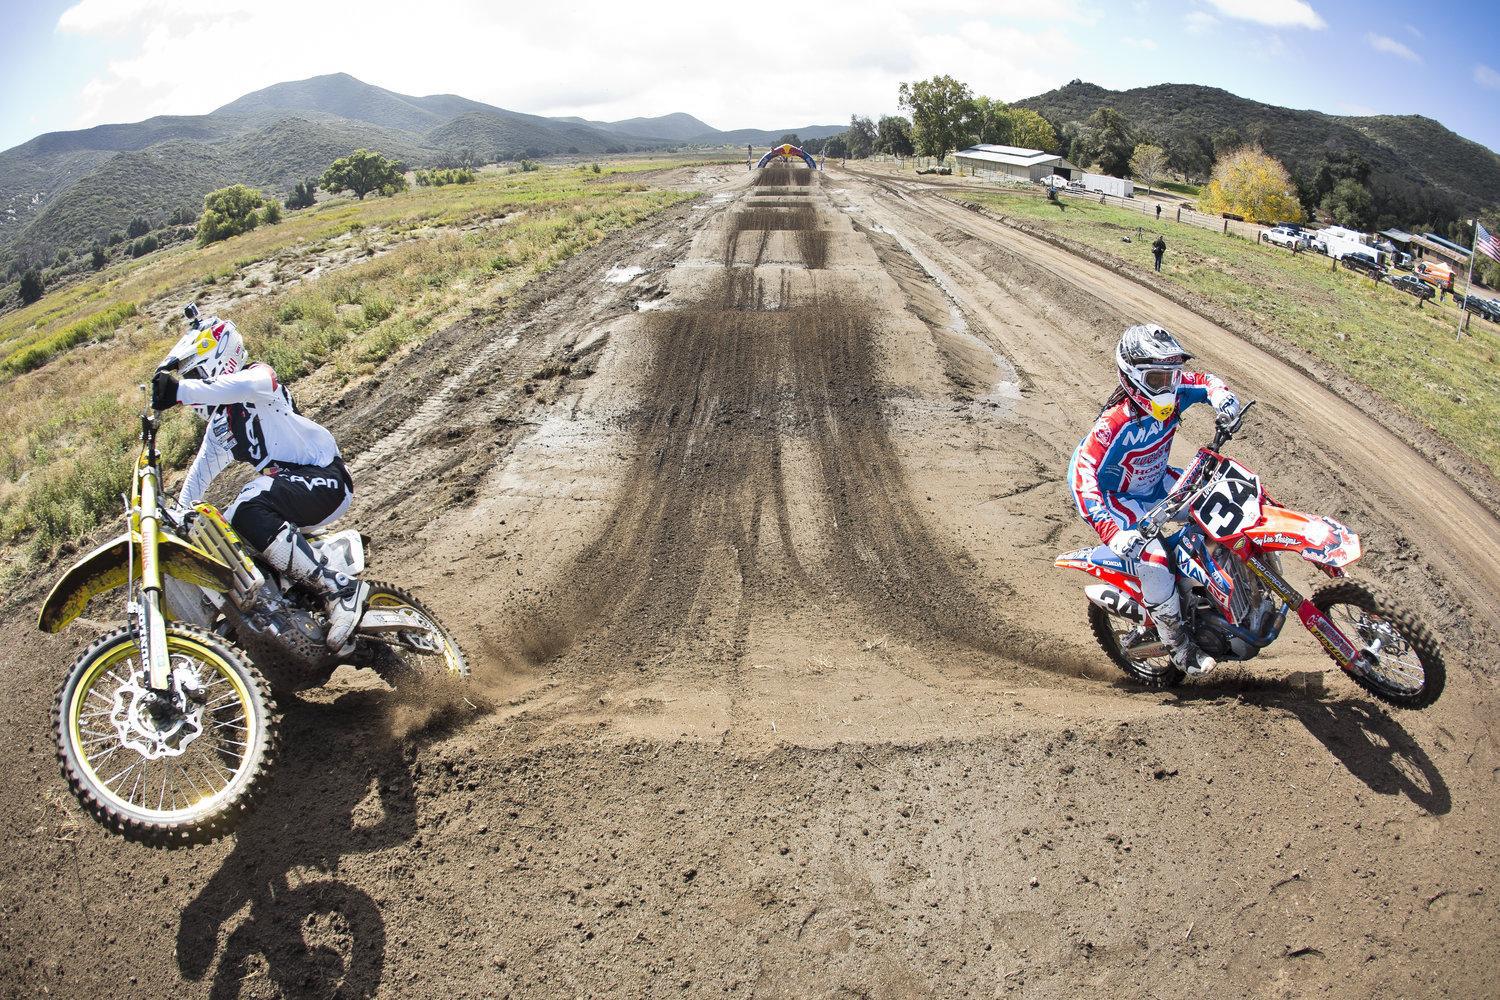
x=709, y=533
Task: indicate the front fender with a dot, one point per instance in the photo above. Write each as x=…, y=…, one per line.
x=105, y=568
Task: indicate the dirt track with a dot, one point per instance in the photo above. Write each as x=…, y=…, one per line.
x=779, y=694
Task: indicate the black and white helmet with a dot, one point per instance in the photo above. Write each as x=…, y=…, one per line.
x=1150, y=361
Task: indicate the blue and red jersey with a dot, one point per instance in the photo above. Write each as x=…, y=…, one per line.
x=1125, y=455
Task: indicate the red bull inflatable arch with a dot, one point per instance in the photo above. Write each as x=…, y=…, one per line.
x=786, y=151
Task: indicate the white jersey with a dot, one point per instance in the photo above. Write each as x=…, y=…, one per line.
x=252, y=419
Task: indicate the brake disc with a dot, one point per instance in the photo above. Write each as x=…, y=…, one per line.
x=138, y=725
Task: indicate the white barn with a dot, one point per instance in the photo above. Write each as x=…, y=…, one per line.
x=1010, y=163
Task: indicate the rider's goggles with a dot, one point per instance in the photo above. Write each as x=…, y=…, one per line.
x=1161, y=379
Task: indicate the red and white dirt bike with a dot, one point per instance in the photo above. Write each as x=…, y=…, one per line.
x=1234, y=599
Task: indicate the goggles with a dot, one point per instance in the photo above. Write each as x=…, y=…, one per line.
x=1161, y=379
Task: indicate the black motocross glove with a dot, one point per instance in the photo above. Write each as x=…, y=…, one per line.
x=163, y=391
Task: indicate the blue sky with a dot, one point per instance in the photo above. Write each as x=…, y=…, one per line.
x=73, y=64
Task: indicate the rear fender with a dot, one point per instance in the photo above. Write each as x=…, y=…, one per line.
x=1116, y=602
x=1320, y=540
x=1102, y=564
x=105, y=569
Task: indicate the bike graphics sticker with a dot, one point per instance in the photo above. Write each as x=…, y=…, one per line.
x=1232, y=505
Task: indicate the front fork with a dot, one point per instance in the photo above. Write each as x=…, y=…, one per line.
x=153, y=625
x=1320, y=625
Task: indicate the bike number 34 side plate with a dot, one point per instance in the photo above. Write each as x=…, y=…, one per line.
x=1232, y=505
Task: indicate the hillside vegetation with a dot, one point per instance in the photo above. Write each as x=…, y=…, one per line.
x=67, y=190
x=1419, y=169
x=397, y=269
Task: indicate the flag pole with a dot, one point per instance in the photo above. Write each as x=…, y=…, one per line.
x=1463, y=305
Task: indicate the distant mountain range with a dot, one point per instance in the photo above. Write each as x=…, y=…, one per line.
x=69, y=189
x=1416, y=163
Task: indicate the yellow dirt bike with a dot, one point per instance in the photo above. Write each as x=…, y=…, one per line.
x=165, y=727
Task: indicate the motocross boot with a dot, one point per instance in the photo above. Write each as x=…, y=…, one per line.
x=1186, y=656
x=344, y=598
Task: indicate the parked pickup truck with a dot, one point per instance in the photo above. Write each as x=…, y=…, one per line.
x=1481, y=307
x=1412, y=285
x=1359, y=262
x=1283, y=237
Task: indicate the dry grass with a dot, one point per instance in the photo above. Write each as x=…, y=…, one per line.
x=437, y=252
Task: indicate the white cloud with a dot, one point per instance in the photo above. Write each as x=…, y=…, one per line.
x=595, y=58
x=1486, y=77
x=1199, y=21
x=1272, y=13
x=1382, y=43
x=1414, y=30
x=1148, y=44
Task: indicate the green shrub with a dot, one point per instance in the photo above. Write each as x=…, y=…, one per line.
x=303, y=195
x=270, y=213
x=37, y=354
x=138, y=227
x=32, y=286
x=146, y=244
x=97, y=260
x=228, y=212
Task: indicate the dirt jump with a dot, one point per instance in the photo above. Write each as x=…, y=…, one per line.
x=746, y=519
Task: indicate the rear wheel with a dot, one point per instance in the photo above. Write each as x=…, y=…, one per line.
x=1406, y=666
x=1113, y=632
x=168, y=774
x=421, y=654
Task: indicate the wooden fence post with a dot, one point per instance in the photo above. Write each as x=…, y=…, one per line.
x=1179, y=213
x=1226, y=227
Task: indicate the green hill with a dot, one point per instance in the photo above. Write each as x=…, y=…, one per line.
x=1418, y=167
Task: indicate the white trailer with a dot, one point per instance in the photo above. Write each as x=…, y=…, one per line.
x=1120, y=187
x=1339, y=242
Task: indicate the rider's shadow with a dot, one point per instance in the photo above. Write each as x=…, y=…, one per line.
x=1368, y=741
x=1376, y=749
x=342, y=786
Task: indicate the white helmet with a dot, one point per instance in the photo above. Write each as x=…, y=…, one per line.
x=1150, y=361
x=211, y=347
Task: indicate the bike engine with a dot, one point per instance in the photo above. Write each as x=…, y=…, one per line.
x=286, y=641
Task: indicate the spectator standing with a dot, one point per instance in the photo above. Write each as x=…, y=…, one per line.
x=1159, y=250
x=1158, y=211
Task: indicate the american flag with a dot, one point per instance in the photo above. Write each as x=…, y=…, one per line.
x=1485, y=241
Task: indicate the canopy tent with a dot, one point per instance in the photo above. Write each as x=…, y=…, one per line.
x=786, y=151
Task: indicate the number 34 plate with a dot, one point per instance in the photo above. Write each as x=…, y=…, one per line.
x=1232, y=506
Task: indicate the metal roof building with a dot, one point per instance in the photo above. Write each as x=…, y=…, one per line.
x=1011, y=163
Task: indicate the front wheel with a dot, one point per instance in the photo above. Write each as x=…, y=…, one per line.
x=173, y=772
x=1112, y=633
x=1405, y=666
x=420, y=654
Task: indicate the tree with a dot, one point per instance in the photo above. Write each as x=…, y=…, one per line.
x=1350, y=204
x=32, y=286
x=1252, y=185
x=304, y=194
x=1149, y=163
x=270, y=212
x=146, y=244
x=836, y=146
x=893, y=136
x=363, y=171
x=1227, y=140
x=97, y=260
x=1107, y=141
x=942, y=114
x=991, y=123
x=860, y=136
x=790, y=139
x=228, y=212
x=1031, y=131
x=138, y=227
